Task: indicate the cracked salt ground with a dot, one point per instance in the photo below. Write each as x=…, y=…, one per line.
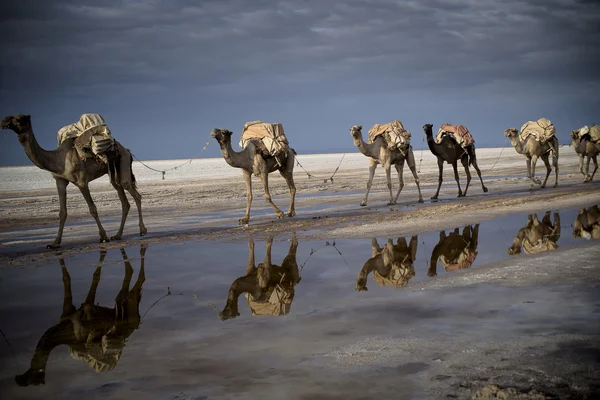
x=144, y=324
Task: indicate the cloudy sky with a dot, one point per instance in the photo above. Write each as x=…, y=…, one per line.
x=164, y=73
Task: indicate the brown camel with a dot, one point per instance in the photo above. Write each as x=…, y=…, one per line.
x=450, y=151
x=95, y=335
x=67, y=167
x=532, y=150
x=455, y=251
x=537, y=236
x=269, y=288
x=585, y=148
x=587, y=223
x=251, y=161
x=392, y=265
x=379, y=153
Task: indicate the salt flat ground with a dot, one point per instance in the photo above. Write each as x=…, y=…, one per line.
x=528, y=322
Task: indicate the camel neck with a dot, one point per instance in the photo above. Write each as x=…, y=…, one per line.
x=365, y=148
x=232, y=157
x=42, y=158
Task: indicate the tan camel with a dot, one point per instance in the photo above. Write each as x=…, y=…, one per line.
x=379, y=153
x=269, y=288
x=536, y=236
x=392, y=265
x=451, y=152
x=455, y=251
x=532, y=150
x=66, y=167
x=251, y=161
x=587, y=223
x=585, y=148
x=95, y=335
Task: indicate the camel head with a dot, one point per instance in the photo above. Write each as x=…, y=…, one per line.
x=515, y=248
x=228, y=312
x=427, y=128
x=511, y=132
x=356, y=131
x=31, y=377
x=575, y=134
x=222, y=135
x=19, y=124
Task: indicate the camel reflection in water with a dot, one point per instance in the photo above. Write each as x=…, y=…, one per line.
x=391, y=265
x=269, y=288
x=455, y=250
x=95, y=335
x=587, y=223
x=536, y=236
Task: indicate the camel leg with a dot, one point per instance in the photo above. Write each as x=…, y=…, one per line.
x=137, y=197
x=251, y=265
x=375, y=248
x=68, y=307
x=587, y=169
x=388, y=177
x=440, y=178
x=465, y=163
x=410, y=161
x=555, y=164
x=264, y=177
x=474, y=163
x=595, y=159
x=122, y=295
x=534, y=180
x=248, y=181
x=61, y=187
x=548, y=169
x=124, y=210
x=264, y=270
x=372, y=168
x=289, y=179
x=400, y=169
x=581, y=167
x=85, y=191
x=455, y=168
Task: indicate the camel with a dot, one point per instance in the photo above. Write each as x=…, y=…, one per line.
x=379, y=153
x=537, y=236
x=66, y=167
x=587, y=223
x=391, y=265
x=455, y=251
x=269, y=288
x=585, y=148
x=95, y=335
x=251, y=161
x=532, y=150
x=450, y=151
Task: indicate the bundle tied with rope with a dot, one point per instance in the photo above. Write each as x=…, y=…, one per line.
x=541, y=130
x=394, y=135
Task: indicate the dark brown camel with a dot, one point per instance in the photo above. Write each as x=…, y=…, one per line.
x=95, y=335
x=67, y=167
x=450, y=151
x=455, y=251
x=269, y=288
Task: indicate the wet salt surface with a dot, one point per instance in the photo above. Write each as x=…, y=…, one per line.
x=199, y=274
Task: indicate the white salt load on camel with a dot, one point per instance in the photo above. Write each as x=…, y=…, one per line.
x=542, y=130
x=592, y=133
x=460, y=133
x=394, y=134
x=92, y=136
x=270, y=135
x=277, y=301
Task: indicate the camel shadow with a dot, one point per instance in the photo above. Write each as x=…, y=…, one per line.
x=587, y=223
x=455, y=251
x=95, y=335
x=535, y=236
x=269, y=288
x=391, y=265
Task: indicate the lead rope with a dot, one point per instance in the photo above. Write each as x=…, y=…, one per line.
x=314, y=176
x=163, y=172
